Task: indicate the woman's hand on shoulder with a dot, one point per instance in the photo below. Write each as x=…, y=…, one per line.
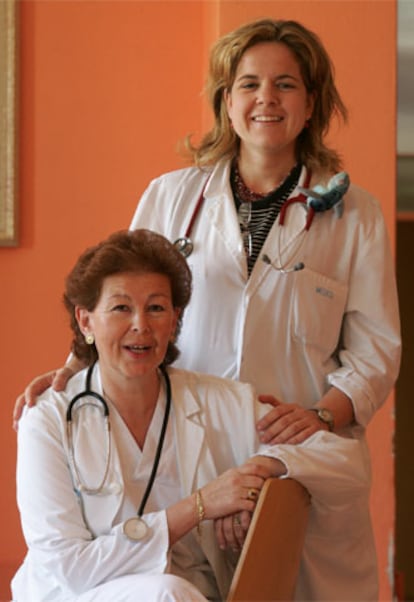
x=55, y=378
x=286, y=423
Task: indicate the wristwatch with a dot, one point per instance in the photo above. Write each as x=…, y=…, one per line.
x=324, y=416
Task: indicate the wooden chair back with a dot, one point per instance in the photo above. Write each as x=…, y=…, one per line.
x=268, y=566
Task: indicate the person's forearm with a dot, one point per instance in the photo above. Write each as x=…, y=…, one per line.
x=339, y=405
x=222, y=496
x=182, y=517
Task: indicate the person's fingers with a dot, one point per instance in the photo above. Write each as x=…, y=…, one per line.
x=269, y=400
x=218, y=528
x=17, y=410
x=239, y=533
x=233, y=532
x=229, y=492
x=245, y=520
x=35, y=388
x=229, y=532
x=253, y=473
x=32, y=392
x=293, y=428
x=282, y=424
x=274, y=421
x=61, y=378
x=58, y=379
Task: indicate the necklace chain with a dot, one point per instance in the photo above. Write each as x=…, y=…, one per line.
x=257, y=218
x=247, y=195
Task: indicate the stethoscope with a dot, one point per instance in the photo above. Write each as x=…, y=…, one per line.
x=299, y=198
x=313, y=201
x=134, y=528
x=184, y=244
x=316, y=201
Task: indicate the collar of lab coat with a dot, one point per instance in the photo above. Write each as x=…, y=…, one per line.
x=190, y=434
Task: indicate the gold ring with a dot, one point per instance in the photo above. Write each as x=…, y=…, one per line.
x=252, y=494
x=236, y=521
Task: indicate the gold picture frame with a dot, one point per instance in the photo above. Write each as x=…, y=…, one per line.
x=8, y=123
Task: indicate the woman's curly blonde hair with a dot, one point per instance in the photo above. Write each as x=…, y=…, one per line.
x=318, y=75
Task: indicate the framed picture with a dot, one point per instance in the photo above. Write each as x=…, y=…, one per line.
x=405, y=159
x=8, y=123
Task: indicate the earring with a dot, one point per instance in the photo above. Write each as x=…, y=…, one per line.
x=307, y=123
x=89, y=338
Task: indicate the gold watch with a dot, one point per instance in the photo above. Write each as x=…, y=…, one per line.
x=324, y=416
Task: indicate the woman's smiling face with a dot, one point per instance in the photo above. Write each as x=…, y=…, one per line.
x=132, y=323
x=268, y=103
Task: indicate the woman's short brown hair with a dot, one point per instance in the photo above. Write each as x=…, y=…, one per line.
x=125, y=251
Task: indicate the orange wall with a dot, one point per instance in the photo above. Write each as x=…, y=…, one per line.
x=107, y=89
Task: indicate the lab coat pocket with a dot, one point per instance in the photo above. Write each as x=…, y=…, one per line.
x=317, y=310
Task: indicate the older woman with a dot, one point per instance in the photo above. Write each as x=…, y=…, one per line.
x=121, y=474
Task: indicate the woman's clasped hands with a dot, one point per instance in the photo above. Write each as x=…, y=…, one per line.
x=233, y=496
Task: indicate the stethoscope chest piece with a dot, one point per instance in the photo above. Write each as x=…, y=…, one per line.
x=135, y=528
x=184, y=246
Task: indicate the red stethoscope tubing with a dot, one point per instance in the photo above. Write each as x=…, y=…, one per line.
x=196, y=211
x=184, y=244
x=300, y=198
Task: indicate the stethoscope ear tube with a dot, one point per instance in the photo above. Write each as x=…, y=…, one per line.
x=87, y=393
x=80, y=487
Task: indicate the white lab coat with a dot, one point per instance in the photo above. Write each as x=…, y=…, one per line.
x=214, y=429
x=334, y=323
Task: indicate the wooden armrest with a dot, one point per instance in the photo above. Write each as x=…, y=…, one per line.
x=269, y=561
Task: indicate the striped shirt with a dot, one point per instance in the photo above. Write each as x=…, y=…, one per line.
x=256, y=217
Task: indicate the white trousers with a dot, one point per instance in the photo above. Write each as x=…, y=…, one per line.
x=144, y=588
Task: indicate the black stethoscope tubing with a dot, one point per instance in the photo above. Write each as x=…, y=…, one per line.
x=89, y=393
x=160, y=442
